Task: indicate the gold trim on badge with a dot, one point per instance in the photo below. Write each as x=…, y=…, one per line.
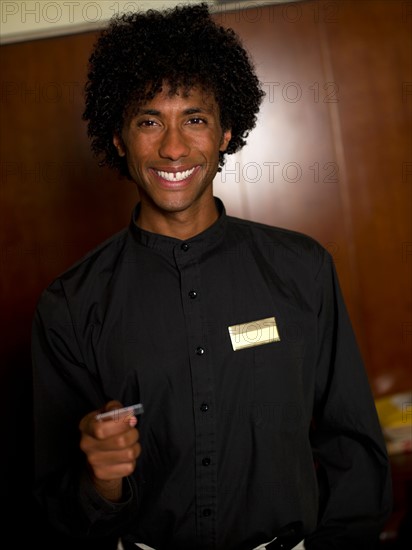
x=254, y=333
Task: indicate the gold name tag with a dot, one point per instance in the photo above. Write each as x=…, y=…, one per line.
x=254, y=333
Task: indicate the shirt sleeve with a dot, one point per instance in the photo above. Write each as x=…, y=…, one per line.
x=64, y=390
x=349, y=449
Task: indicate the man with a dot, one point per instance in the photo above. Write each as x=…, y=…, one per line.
x=253, y=435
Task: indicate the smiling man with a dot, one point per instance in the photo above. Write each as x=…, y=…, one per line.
x=172, y=146
x=252, y=437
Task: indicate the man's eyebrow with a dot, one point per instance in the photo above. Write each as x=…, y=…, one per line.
x=189, y=111
x=194, y=110
x=152, y=112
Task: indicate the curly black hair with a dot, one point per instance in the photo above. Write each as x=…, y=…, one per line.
x=181, y=46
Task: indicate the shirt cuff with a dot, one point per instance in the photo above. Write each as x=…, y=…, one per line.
x=96, y=507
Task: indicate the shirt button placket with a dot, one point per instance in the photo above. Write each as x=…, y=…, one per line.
x=201, y=386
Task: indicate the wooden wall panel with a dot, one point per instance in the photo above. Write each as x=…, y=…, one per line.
x=371, y=56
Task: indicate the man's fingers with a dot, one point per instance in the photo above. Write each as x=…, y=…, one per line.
x=114, y=458
x=102, y=428
x=109, y=465
x=105, y=441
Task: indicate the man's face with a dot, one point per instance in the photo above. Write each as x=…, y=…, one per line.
x=172, y=149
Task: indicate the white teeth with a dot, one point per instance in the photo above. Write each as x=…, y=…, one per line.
x=175, y=176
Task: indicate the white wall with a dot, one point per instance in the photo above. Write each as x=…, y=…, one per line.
x=25, y=20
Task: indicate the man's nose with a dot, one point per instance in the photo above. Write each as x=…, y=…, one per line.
x=174, y=144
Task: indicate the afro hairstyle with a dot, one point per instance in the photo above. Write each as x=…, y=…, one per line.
x=183, y=47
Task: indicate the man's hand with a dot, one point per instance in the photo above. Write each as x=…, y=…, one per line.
x=111, y=448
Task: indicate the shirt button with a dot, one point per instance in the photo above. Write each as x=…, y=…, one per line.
x=206, y=512
x=200, y=351
x=185, y=247
x=206, y=461
x=204, y=407
x=193, y=294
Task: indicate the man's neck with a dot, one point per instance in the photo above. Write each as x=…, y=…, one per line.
x=179, y=225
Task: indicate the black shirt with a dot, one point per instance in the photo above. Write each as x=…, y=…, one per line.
x=235, y=443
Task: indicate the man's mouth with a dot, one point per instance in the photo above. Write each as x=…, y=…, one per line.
x=175, y=176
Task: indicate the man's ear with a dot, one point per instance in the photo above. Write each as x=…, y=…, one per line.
x=227, y=136
x=118, y=143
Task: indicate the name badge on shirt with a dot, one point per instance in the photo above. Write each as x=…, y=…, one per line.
x=254, y=333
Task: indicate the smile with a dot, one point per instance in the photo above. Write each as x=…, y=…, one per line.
x=175, y=176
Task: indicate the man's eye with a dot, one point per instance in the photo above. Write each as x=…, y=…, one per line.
x=146, y=123
x=197, y=120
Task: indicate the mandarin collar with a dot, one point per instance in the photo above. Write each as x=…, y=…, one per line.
x=202, y=241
